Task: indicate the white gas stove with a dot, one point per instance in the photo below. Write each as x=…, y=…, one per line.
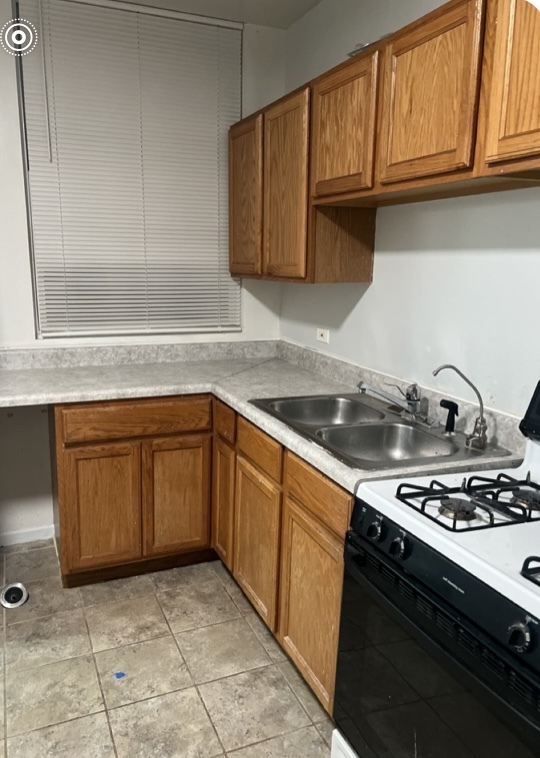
x=439, y=648
x=488, y=522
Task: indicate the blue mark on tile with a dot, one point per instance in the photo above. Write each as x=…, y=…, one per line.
x=119, y=674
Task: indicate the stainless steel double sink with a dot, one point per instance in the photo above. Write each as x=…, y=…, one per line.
x=366, y=433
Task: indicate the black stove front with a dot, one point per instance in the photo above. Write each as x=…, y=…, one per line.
x=418, y=677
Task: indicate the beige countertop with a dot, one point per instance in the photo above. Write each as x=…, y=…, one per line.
x=233, y=381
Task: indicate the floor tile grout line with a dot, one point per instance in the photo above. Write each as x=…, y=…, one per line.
x=30, y=620
x=289, y=685
x=214, y=727
x=193, y=680
x=269, y=739
x=56, y=723
x=276, y=663
x=110, y=709
x=100, y=685
x=116, y=601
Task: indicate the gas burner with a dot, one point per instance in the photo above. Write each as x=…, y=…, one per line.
x=457, y=508
x=529, y=499
x=480, y=502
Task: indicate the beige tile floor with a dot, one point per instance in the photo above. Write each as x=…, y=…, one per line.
x=168, y=665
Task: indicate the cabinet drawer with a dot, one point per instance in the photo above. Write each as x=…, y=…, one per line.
x=259, y=448
x=323, y=498
x=225, y=421
x=141, y=418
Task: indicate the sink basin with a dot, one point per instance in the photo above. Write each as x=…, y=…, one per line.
x=385, y=443
x=369, y=434
x=324, y=411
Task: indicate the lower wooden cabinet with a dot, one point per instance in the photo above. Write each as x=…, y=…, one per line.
x=223, y=485
x=119, y=502
x=176, y=494
x=102, y=498
x=310, y=598
x=124, y=502
x=256, y=538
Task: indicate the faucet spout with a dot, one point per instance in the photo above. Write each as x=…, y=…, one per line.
x=409, y=402
x=478, y=439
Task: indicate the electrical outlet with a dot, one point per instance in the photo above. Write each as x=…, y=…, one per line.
x=323, y=335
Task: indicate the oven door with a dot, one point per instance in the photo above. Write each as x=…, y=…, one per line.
x=414, y=680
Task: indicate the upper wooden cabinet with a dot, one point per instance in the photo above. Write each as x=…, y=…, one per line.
x=514, y=110
x=343, y=127
x=300, y=242
x=286, y=145
x=430, y=94
x=245, y=196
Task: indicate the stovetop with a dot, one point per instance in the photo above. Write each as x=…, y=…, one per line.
x=484, y=501
x=480, y=502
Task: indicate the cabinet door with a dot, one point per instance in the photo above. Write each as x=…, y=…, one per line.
x=245, y=197
x=310, y=598
x=223, y=481
x=103, y=504
x=514, y=110
x=256, y=538
x=176, y=494
x=286, y=138
x=344, y=110
x=431, y=78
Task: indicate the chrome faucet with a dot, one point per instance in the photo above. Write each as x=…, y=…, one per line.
x=478, y=439
x=409, y=403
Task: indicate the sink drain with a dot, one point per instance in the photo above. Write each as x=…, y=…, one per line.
x=13, y=595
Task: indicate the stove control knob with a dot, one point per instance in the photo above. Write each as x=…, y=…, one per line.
x=375, y=531
x=519, y=637
x=398, y=548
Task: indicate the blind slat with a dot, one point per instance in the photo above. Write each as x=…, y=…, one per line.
x=130, y=219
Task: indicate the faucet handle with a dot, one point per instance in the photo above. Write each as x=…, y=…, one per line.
x=413, y=392
x=390, y=384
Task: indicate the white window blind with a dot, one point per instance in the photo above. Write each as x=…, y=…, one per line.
x=127, y=117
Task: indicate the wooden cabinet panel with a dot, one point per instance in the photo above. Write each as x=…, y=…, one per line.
x=514, y=109
x=245, y=196
x=102, y=509
x=224, y=421
x=223, y=483
x=260, y=448
x=310, y=598
x=343, y=117
x=256, y=538
x=286, y=142
x=430, y=98
x=138, y=418
x=176, y=494
x=325, y=500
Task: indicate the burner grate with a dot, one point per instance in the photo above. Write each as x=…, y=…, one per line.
x=530, y=572
x=480, y=502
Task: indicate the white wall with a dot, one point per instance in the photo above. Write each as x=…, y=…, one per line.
x=263, y=69
x=455, y=280
x=25, y=484
x=263, y=81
